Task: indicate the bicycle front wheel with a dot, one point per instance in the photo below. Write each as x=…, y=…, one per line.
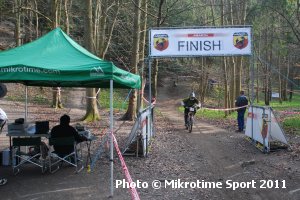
x=190, y=128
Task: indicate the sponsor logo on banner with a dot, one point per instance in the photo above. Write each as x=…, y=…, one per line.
x=252, y=115
x=161, y=41
x=240, y=40
x=25, y=69
x=97, y=71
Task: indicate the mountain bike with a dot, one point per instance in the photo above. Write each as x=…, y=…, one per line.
x=190, y=119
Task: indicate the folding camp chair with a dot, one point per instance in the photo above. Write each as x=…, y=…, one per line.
x=56, y=158
x=34, y=157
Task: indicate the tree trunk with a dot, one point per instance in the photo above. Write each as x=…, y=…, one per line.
x=154, y=79
x=291, y=92
x=231, y=64
x=92, y=113
x=17, y=5
x=224, y=65
x=285, y=82
x=212, y=11
x=257, y=84
x=54, y=9
x=267, y=90
x=225, y=85
x=56, y=94
x=238, y=75
x=131, y=111
x=257, y=70
x=67, y=24
x=144, y=17
x=155, y=61
x=36, y=20
x=203, y=77
x=269, y=85
x=279, y=80
x=29, y=23
x=107, y=27
x=232, y=83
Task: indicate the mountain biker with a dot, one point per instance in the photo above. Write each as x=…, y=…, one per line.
x=191, y=101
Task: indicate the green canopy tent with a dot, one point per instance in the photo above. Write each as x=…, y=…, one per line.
x=55, y=60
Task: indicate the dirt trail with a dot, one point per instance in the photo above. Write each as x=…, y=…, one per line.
x=216, y=155
x=208, y=154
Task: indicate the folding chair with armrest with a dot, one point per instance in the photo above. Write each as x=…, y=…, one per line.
x=73, y=158
x=34, y=157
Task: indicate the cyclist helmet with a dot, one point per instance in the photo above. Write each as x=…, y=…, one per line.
x=192, y=96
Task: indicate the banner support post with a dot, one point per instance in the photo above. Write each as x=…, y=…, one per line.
x=150, y=101
x=252, y=92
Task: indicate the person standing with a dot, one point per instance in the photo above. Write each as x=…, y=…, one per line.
x=3, y=120
x=241, y=102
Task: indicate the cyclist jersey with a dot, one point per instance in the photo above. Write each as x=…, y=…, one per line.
x=189, y=103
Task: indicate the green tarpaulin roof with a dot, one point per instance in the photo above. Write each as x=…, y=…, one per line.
x=55, y=60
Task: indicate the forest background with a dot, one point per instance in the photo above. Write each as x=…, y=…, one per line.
x=116, y=30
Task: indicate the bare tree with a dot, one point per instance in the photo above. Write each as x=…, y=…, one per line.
x=92, y=112
x=224, y=64
x=99, y=30
x=16, y=9
x=66, y=12
x=131, y=114
x=56, y=94
x=144, y=19
x=159, y=21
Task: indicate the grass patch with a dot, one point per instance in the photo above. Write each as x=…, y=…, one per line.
x=276, y=105
x=119, y=98
x=41, y=99
x=292, y=123
x=14, y=98
x=211, y=114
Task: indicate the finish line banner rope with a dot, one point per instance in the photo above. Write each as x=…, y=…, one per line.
x=133, y=192
x=223, y=109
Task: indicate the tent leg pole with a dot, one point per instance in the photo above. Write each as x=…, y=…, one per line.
x=111, y=141
x=26, y=103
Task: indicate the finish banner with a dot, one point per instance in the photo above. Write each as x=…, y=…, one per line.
x=206, y=41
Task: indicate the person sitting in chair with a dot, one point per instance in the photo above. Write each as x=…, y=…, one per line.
x=3, y=119
x=65, y=130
